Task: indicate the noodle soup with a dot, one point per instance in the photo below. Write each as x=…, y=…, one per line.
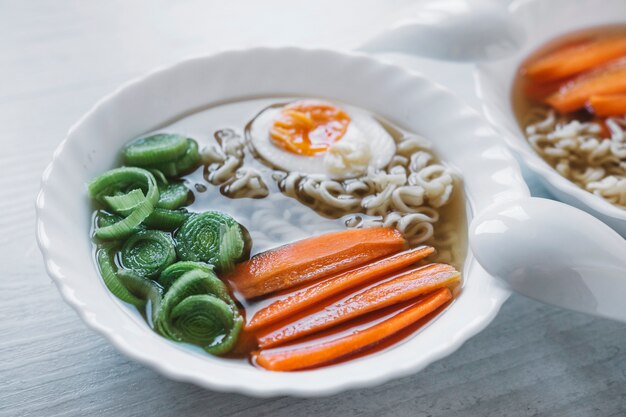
x=570, y=99
x=276, y=218
x=294, y=174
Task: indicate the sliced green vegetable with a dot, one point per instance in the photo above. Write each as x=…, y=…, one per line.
x=160, y=219
x=143, y=288
x=210, y=237
x=154, y=149
x=104, y=219
x=183, y=165
x=148, y=252
x=108, y=270
x=170, y=154
x=160, y=177
x=124, y=204
x=167, y=220
x=232, y=247
x=190, y=160
x=198, y=309
x=176, y=270
x=173, y=195
x=207, y=321
x=167, y=168
x=118, y=185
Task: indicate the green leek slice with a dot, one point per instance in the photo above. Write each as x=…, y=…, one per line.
x=167, y=220
x=124, y=204
x=167, y=168
x=135, y=209
x=160, y=177
x=210, y=237
x=154, y=149
x=190, y=159
x=108, y=271
x=145, y=289
x=104, y=219
x=148, y=252
x=173, y=195
x=176, y=270
x=198, y=309
x=171, y=154
x=183, y=165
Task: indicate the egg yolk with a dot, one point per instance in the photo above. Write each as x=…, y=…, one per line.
x=308, y=127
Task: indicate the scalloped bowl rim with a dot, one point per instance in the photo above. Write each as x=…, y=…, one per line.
x=497, y=179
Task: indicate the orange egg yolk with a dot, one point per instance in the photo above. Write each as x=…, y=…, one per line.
x=308, y=127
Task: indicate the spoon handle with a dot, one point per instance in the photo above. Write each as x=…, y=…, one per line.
x=554, y=253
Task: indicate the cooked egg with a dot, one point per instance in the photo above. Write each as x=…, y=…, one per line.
x=317, y=137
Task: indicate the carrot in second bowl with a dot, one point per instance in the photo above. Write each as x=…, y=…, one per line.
x=291, y=358
x=574, y=59
x=404, y=286
x=608, y=105
x=312, y=294
x=575, y=94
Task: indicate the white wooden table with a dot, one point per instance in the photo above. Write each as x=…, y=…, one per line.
x=57, y=58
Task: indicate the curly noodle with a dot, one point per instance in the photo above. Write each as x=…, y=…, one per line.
x=224, y=167
x=579, y=152
x=404, y=195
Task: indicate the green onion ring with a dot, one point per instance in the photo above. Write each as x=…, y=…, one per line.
x=109, y=184
x=210, y=237
x=167, y=220
x=173, y=195
x=176, y=270
x=198, y=309
x=148, y=252
x=154, y=149
x=108, y=270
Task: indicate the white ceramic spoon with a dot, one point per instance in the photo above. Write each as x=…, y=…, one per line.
x=554, y=253
x=453, y=30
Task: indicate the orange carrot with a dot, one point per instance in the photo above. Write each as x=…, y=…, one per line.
x=540, y=90
x=572, y=60
x=408, y=284
x=290, y=358
x=310, y=295
x=314, y=258
x=573, y=95
x=608, y=105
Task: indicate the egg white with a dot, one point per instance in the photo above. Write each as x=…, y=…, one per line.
x=362, y=125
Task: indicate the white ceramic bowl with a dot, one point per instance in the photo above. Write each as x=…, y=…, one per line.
x=459, y=135
x=543, y=21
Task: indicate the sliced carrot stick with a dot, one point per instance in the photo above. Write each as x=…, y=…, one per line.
x=572, y=60
x=540, y=90
x=573, y=95
x=314, y=258
x=310, y=295
x=608, y=105
x=404, y=286
x=290, y=358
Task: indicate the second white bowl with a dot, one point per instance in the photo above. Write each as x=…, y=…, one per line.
x=543, y=21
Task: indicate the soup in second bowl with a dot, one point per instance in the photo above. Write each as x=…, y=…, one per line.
x=570, y=100
x=292, y=233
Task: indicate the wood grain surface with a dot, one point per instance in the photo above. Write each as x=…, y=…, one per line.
x=57, y=58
